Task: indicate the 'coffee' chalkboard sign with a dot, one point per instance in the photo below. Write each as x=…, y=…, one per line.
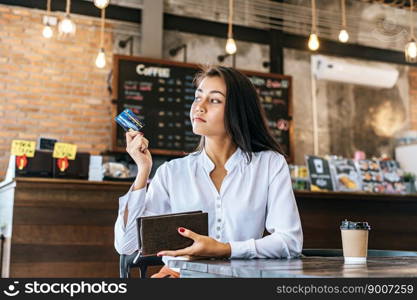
x=161, y=92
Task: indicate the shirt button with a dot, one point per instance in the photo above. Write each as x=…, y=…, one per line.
x=219, y=220
x=218, y=228
x=217, y=236
x=218, y=205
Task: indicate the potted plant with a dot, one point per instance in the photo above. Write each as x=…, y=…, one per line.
x=409, y=179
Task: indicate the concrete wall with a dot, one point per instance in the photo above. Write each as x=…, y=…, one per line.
x=350, y=117
x=205, y=49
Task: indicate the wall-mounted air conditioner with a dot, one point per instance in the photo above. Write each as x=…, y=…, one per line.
x=334, y=69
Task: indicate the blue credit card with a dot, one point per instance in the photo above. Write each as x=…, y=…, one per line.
x=129, y=121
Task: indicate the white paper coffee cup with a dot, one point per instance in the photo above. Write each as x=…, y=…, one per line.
x=355, y=241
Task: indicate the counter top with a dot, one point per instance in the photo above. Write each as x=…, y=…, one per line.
x=307, y=267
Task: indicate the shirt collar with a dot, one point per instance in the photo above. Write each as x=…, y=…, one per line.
x=231, y=163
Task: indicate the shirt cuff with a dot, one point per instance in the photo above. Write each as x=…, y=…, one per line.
x=135, y=197
x=126, y=197
x=243, y=249
x=132, y=200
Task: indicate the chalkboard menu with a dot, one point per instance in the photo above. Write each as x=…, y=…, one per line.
x=161, y=93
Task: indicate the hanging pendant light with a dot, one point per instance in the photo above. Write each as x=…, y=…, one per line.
x=343, y=34
x=101, y=59
x=313, y=41
x=410, y=50
x=101, y=3
x=230, y=44
x=67, y=26
x=47, y=31
x=101, y=56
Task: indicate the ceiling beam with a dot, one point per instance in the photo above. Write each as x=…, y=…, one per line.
x=85, y=8
x=292, y=41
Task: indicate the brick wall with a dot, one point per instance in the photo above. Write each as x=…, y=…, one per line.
x=413, y=98
x=51, y=87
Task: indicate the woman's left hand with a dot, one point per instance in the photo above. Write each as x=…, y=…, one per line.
x=203, y=246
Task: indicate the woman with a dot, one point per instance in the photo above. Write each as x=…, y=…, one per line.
x=238, y=175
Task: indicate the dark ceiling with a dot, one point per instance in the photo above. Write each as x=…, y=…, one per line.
x=81, y=7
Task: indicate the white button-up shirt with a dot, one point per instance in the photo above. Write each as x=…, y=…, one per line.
x=253, y=197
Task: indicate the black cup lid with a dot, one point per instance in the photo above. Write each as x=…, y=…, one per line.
x=355, y=225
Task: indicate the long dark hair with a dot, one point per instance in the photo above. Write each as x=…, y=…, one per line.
x=245, y=119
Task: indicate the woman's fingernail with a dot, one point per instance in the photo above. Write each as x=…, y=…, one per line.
x=181, y=229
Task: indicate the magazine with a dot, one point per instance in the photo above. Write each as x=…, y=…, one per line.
x=371, y=176
x=346, y=176
x=392, y=176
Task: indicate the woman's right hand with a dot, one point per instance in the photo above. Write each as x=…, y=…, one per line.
x=137, y=147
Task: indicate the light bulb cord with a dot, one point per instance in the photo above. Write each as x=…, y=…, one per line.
x=343, y=6
x=68, y=8
x=103, y=16
x=230, y=21
x=411, y=19
x=48, y=7
x=313, y=16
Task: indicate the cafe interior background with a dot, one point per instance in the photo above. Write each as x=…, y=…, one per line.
x=57, y=85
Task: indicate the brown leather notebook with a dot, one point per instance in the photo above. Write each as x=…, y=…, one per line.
x=157, y=233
